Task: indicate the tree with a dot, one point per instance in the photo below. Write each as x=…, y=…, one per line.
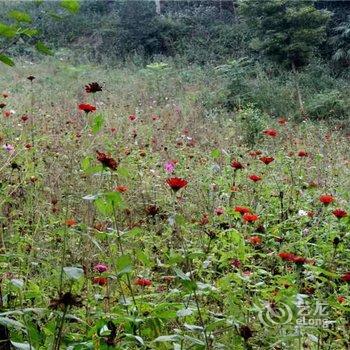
x=341, y=43
x=17, y=29
x=286, y=31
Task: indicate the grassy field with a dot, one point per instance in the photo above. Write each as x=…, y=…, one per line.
x=99, y=250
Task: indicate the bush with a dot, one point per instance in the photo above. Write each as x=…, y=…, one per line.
x=326, y=105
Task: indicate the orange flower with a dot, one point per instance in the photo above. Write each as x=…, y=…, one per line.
x=71, y=222
x=248, y=217
x=255, y=240
x=121, y=188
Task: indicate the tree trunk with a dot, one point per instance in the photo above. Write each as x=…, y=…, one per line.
x=158, y=9
x=297, y=86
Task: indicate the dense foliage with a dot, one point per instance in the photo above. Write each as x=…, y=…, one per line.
x=174, y=175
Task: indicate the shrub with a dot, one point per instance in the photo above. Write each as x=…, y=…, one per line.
x=326, y=105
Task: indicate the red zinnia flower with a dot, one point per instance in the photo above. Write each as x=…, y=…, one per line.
x=248, y=217
x=255, y=240
x=303, y=153
x=107, y=161
x=286, y=256
x=71, y=222
x=345, y=277
x=270, y=132
x=326, y=199
x=242, y=210
x=339, y=213
x=101, y=281
x=255, y=178
x=290, y=257
x=132, y=117
x=282, y=121
x=236, y=165
x=143, y=282
x=176, y=183
x=341, y=299
x=121, y=188
x=267, y=160
x=87, y=108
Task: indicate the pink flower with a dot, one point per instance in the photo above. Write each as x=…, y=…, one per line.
x=100, y=267
x=9, y=148
x=219, y=211
x=169, y=167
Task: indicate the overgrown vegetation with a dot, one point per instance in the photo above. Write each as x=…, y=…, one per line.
x=167, y=185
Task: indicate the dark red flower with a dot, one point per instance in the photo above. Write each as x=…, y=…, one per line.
x=143, y=282
x=345, y=277
x=132, y=117
x=107, y=161
x=248, y=217
x=339, y=213
x=236, y=263
x=91, y=88
x=326, y=199
x=2, y=105
x=176, y=183
x=303, y=153
x=242, y=210
x=24, y=118
x=290, y=257
x=267, y=160
x=270, y=132
x=236, y=165
x=86, y=107
x=219, y=211
x=101, y=281
x=255, y=178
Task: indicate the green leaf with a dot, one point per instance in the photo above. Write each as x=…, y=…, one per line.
x=168, y=338
x=7, y=31
x=22, y=346
x=9, y=322
x=215, y=153
x=74, y=273
x=179, y=273
x=124, y=264
x=30, y=32
x=7, y=60
x=70, y=5
x=17, y=283
x=184, y=312
x=114, y=198
x=20, y=16
x=42, y=48
x=97, y=123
